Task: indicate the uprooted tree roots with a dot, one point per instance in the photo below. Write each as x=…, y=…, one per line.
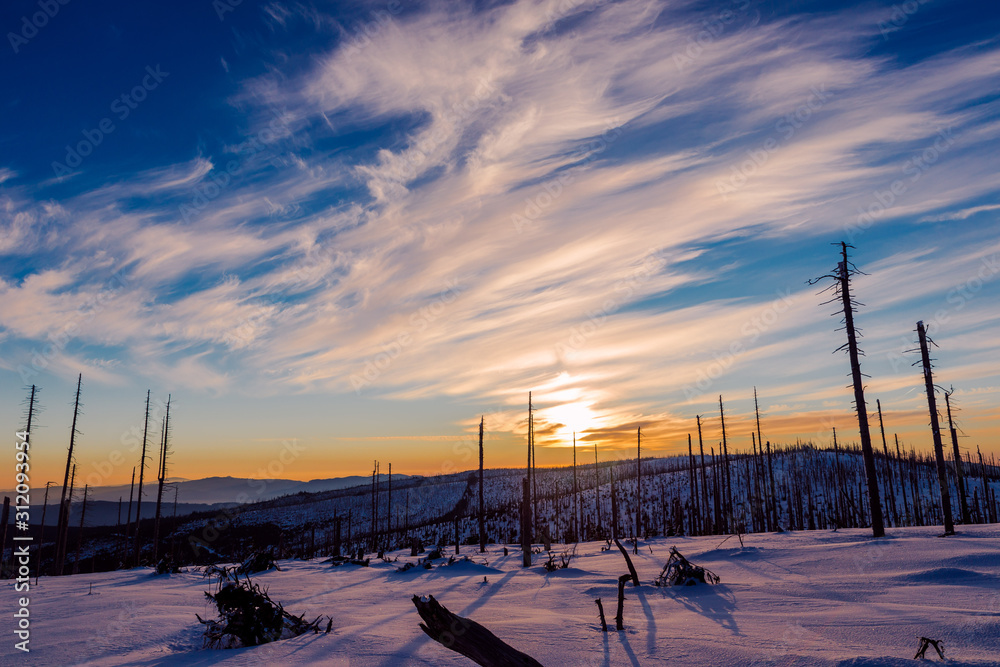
x=679, y=571
x=248, y=617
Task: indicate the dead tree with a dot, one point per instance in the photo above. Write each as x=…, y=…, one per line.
x=79, y=537
x=597, y=490
x=465, y=636
x=63, y=537
x=482, y=504
x=41, y=532
x=525, y=523
x=628, y=561
x=63, y=517
x=600, y=609
x=925, y=360
x=890, y=483
x=619, y=617
x=842, y=292
x=161, y=477
x=531, y=518
x=693, y=490
x=727, y=489
x=142, y=470
x=576, y=496
x=128, y=519
x=638, y=492
x=706, y=518
x=959, y=473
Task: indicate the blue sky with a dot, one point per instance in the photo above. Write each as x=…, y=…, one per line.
x=361, y=226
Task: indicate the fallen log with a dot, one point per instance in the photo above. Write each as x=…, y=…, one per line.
x=467, y=637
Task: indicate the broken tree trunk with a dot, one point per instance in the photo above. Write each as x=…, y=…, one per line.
x=619, y=617
x=467, y=637
x=600, y=609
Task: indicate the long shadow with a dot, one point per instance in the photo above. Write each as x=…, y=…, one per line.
x=715, y=602
x=628, y=648
x=650, y=620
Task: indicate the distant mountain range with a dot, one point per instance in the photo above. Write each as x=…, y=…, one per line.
x=192, y=495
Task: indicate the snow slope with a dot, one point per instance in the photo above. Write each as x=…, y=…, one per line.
x=794, y=598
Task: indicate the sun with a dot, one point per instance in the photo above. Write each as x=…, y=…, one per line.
x=576, y=416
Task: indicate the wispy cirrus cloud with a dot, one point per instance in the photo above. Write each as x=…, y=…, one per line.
x=520, y=167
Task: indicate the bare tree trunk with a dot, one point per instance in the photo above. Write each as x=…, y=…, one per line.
x=531, y=518
x=693, y=490
x=619, y=617
x=959, y=473
x=482, y=503
x=843, y=290
x=161, y=477
x=890, y=486
x=597, y=490
x=706, y=518
x=128, y=520
x=41, y=532
x=628, y=561
x=63, y=518
x=614, y=504
x=142, y=470
x=728, y=485
x=902, y=481
x=949, y=526
x=79, y=537
x=525, y=523
x=638, y=491
x=576, y=497
x=774, y=491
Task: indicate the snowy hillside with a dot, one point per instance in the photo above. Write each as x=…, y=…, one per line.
x=799, y=488
x=809, y=598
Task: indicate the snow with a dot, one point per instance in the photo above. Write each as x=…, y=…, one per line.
x=793, y=598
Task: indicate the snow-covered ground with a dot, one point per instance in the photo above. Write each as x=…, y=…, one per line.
x=794, y=598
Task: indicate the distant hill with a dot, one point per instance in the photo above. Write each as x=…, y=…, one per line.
x=193, y=495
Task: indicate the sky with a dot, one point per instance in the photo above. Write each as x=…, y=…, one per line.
x=339, y=232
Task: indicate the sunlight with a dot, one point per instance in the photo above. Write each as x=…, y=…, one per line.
x=576, y=416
